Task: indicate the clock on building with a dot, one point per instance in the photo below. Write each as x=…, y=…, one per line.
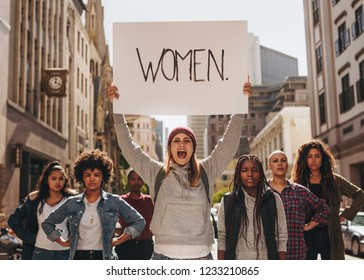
x=55, y=82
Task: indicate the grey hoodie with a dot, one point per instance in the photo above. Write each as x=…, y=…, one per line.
x=182, y=213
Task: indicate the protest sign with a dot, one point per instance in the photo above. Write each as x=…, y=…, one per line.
x=180, y=68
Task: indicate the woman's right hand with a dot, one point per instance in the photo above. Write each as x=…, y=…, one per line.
x=62, y=242
x=112, y=92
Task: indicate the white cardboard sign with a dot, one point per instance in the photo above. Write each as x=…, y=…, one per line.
x=180, y=68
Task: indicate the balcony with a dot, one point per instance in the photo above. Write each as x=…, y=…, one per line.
x=346, y=99
x=343, y=42
x=357, y=27
x=360, y=90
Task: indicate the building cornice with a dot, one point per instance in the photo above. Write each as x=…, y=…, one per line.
x=359, y=54
x=339, y=17
x=343, y=68
x=354, y=3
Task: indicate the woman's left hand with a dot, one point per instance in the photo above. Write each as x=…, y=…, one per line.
x=247, y=89
x=112, y=92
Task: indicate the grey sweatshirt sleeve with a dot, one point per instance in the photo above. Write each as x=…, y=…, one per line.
x=282, y=232
x=146, y=167
x=221, y=241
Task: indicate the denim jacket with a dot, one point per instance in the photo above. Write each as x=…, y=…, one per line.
x=109, y=209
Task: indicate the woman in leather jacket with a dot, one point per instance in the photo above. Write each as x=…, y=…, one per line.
x=51, y=191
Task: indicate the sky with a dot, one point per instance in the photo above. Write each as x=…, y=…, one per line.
x=279, y=24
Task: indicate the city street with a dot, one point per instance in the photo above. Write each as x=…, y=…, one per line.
x=347, y=255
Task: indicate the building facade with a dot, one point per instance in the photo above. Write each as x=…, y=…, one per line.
x=335, y=57
x=276, y=66
x=5, y=29
x=46, y=37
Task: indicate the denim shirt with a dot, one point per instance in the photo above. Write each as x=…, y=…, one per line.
x=109, y=208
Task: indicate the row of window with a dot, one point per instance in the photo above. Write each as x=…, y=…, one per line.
x=343, y=41
x=82, y=46
x=39, y=47
x=347, y=96
x=82, y=118
x=82, y=82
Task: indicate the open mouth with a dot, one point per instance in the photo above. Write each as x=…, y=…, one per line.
x=182, y=154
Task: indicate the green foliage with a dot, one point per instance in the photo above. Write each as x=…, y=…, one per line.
x=217, y=196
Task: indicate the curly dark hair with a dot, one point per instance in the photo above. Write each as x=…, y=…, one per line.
x=93, y=159
x=300, y=171
x=42, y=183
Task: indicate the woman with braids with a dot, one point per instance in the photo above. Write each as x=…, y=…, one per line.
x=92, y=215
x=252, y=222
x=314, y=168
x=51, y=191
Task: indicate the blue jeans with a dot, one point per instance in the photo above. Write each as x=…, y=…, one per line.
x=43, y=254
x=160, y=257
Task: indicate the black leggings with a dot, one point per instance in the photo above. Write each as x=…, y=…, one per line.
x=318, y=242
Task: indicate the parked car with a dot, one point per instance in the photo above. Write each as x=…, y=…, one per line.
x=353, y=234
x=10, y=246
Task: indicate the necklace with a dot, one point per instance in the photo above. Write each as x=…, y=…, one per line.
x=315, y=175
x=52, y=203
x=91, y=209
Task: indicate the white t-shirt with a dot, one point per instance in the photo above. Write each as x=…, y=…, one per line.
x=90, y=228
x=42, y=241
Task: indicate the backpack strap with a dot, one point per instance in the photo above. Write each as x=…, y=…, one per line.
x=205, y=182
x=158, y=182
x=162, y=174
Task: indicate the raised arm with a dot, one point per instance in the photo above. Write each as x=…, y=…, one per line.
x=140, y=161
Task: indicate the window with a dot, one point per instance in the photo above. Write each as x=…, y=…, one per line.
x=346, y=98
x=357, y=27
x=81, y=82
x=360, y=83
x=319, y=59
x=85, y=87
x=315, y=7
x=334, y=2
x=344, y=39
x=92, y=67
x=78, y=40
x=322, y=108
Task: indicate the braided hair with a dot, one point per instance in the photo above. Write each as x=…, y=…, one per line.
x=237, y=196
